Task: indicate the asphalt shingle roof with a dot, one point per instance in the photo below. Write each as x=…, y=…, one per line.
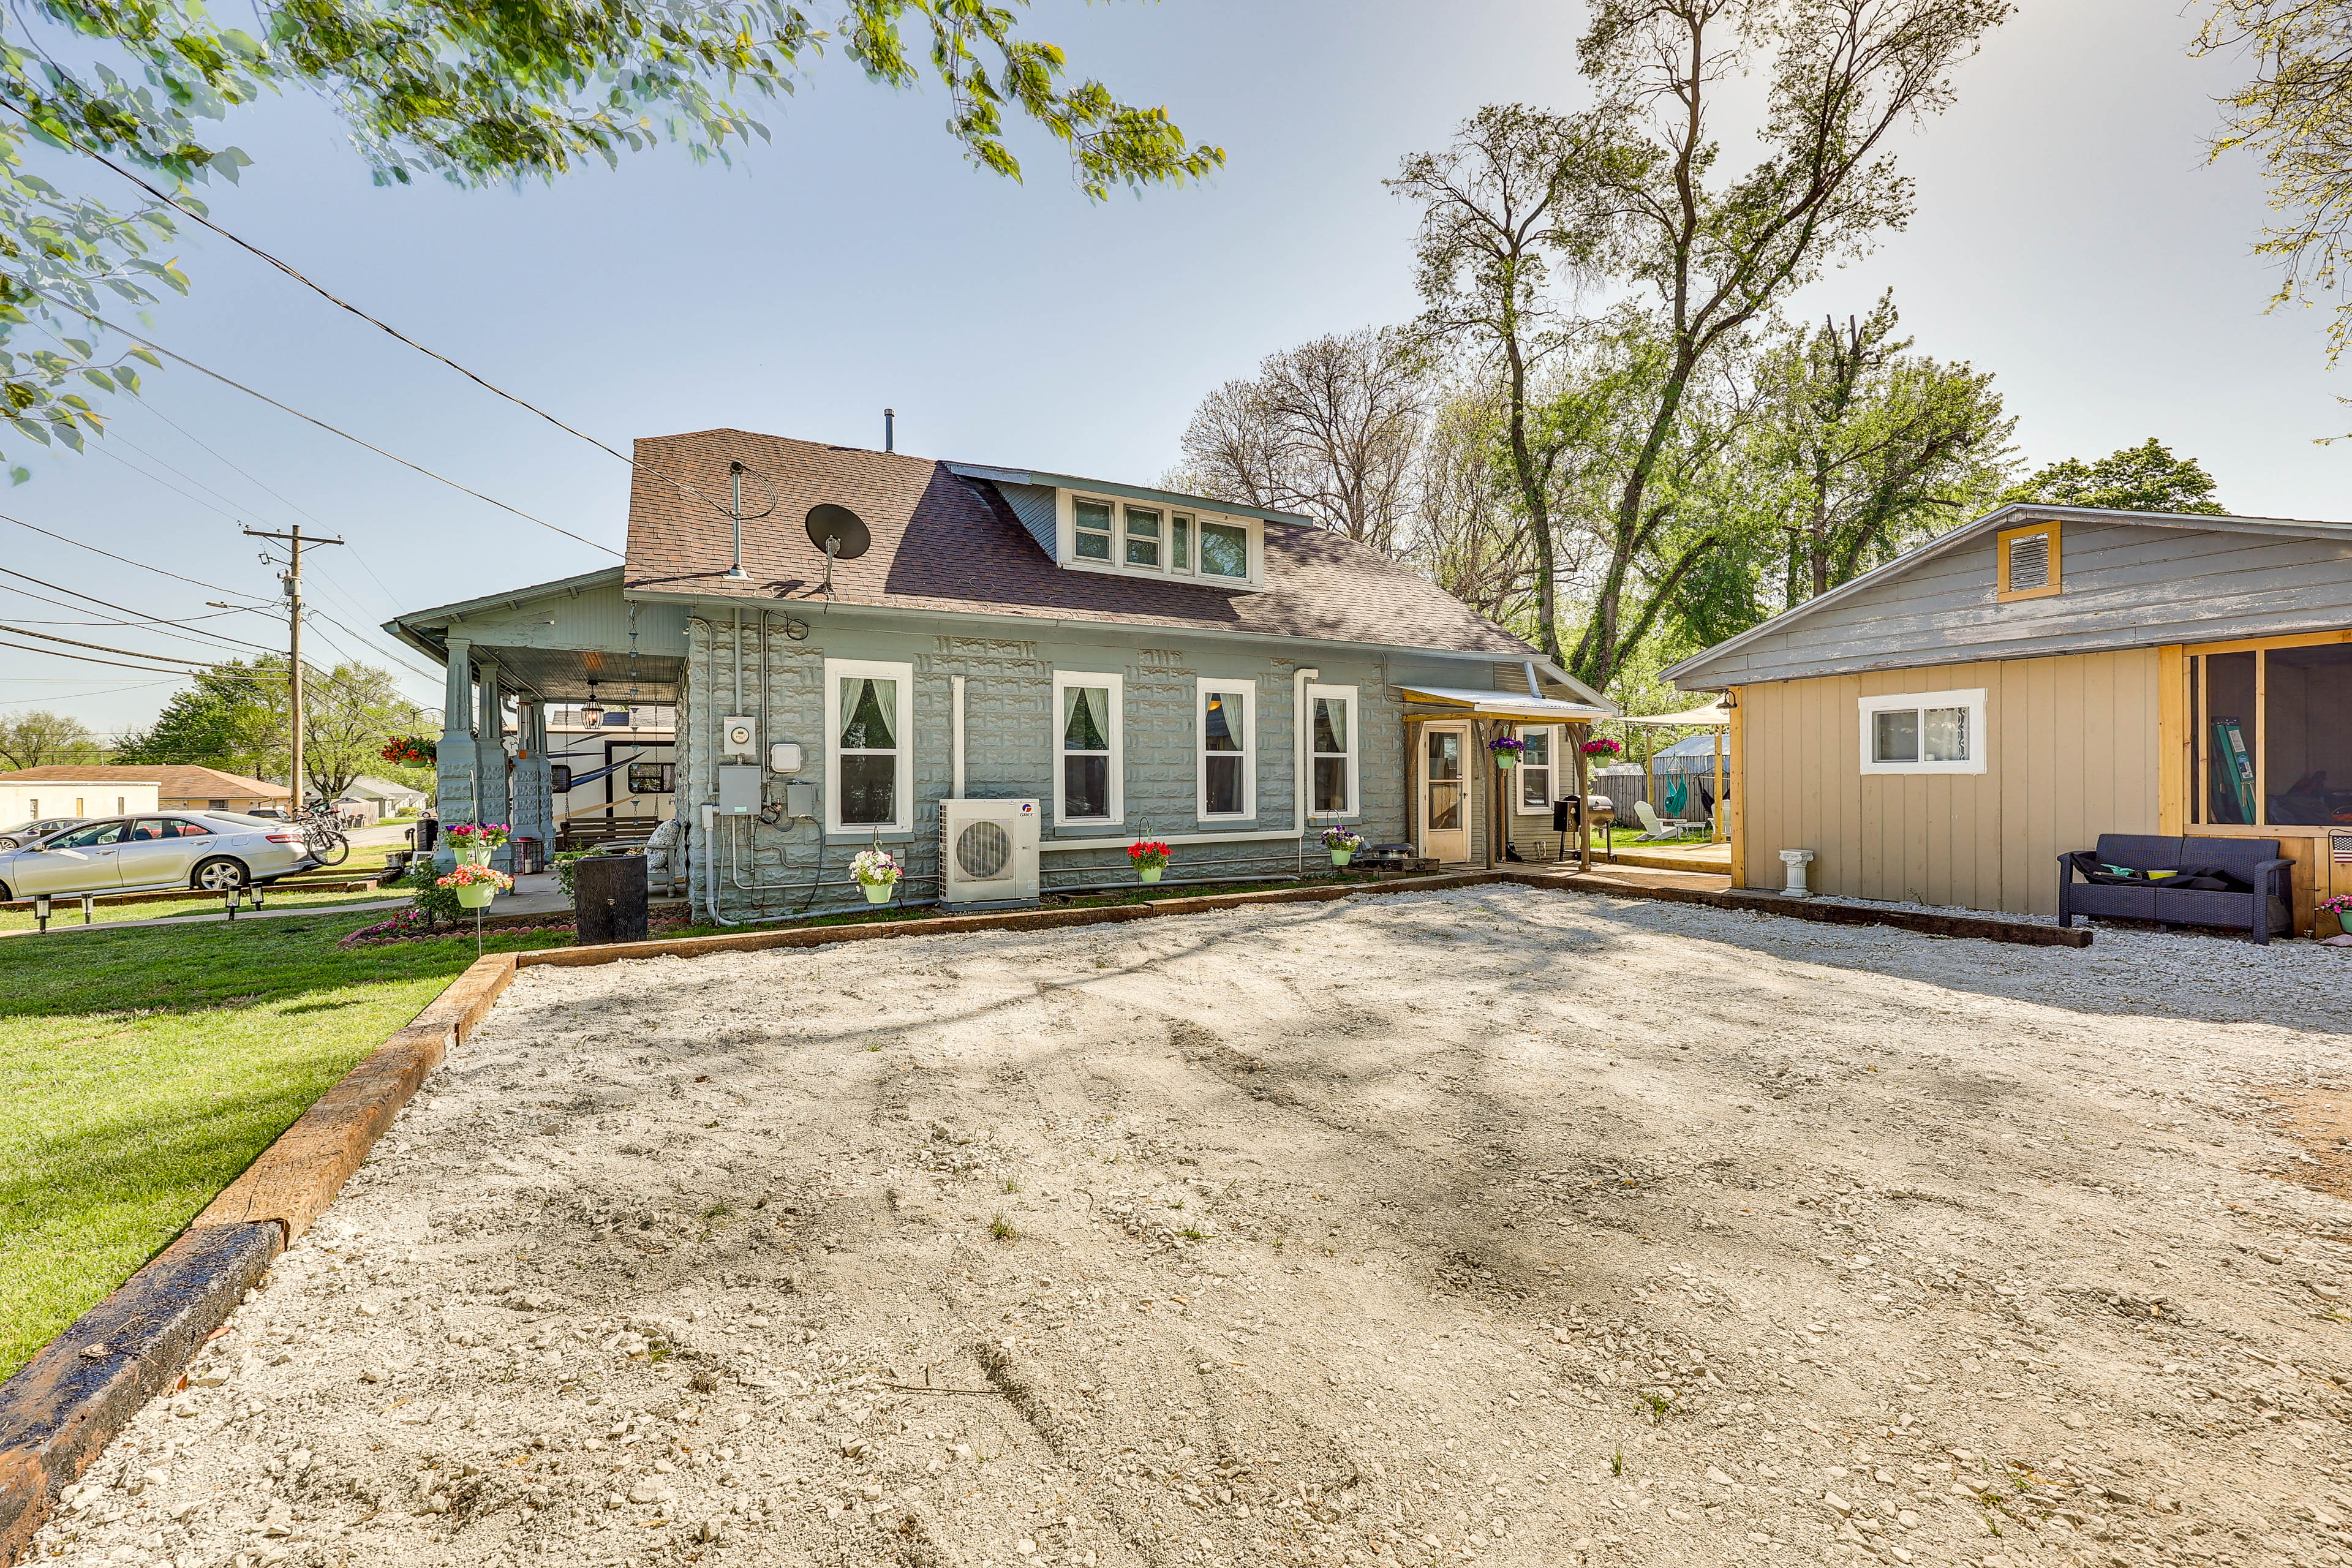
x=948, y=544
x=172, y=781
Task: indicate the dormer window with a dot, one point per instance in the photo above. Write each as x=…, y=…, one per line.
x=1092, y=519
x=2027, y=563
x=1146, y=537
x=1142, y=537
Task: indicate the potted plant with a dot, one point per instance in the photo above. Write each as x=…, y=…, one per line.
x=1150, y=857
x=476, y=885
x=471, y=842
x=411, y=751
x=1601, y=746
x=1507, y=750
x=2329, y=914
x=877, y=871
x=1342, y=843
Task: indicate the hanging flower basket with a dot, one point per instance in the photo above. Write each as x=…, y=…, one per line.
x=1507, y=750
x=1151, y=859
x=1602, y=746
x=476, y=885
x=1342, y=844
x=877, y=871
x=413, y=750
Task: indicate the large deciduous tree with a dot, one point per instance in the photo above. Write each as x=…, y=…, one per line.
x=1330, y=429
x=39, y=737
x=472, y=93
x=1861, y=448
x=1711, y=254
x=2146, y=478
x=2296, y=115
x=235, y=716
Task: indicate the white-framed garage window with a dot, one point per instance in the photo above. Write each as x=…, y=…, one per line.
x=1228, y=753
x=1538, y=767
x=1088, y=746
x=1332, y=748
x=1925, y=733
x=869, y=771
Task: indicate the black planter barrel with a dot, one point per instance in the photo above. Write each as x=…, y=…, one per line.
x=609, y=893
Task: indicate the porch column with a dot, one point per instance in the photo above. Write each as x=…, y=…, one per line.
x=454, y=767
x=534, y=799
x=492, y=794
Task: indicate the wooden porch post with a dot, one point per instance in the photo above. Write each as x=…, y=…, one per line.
x=1583, y=798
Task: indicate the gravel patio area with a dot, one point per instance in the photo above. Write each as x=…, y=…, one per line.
x=1493, y=1224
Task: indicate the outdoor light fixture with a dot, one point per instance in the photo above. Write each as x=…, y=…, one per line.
x=592, y=712
x=41, y=909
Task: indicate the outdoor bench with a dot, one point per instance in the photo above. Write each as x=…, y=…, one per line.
x=2240, y=883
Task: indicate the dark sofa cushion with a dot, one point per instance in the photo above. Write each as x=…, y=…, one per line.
x=2140, y=851
x=2236, y=856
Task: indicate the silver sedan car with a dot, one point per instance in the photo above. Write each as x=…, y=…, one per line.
x=26, y=831
x=212, y=850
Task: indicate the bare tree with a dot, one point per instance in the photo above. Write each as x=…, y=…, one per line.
x=1467, y=533
x=1329, y=429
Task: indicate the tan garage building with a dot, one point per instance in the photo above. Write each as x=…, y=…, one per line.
x=1942, y=729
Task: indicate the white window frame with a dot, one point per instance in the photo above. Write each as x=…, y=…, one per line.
x=1980, y=741
x=1247, y=687
x=1351, y=696
x=903, y=791
x=1196, y=521
x=1190, y=523
x=1519, y=805
x=1063, y=680
x=1129, y=538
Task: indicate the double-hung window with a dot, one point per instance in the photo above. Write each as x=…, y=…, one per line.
x=1331, y=739
x=1536, y=768
x=868, y=766
x=1091, y=520
x=1088, y=787
x=1923, y=733
x=1180, y=543
x=1228, y=757
x=1143, y=536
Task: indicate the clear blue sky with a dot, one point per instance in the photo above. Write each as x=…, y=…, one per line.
x=2070, y=238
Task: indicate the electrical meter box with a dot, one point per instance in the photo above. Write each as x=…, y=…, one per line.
x=739, y=736
x=800, y=800
x=739, y=789
x=785, y=757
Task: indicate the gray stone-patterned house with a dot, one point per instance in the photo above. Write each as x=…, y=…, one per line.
x=1135, y=662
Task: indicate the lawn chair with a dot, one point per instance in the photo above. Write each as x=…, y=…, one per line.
x=1658, y=829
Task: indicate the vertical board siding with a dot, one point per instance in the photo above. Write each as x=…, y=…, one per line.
x=2075, y=752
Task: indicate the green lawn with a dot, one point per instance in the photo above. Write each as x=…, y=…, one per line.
x=141, y=1071
x=68, y=911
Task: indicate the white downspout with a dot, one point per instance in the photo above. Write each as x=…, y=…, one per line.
x=1303, y=761
x=955, y=683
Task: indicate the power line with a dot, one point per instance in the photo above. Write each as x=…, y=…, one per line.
x=341, y=303
x=85, y=658
x=148, y=342
x=129, y=652
x=57, y=587
x=142, y=566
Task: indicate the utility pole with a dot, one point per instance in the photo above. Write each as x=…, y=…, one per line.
x=292, y=578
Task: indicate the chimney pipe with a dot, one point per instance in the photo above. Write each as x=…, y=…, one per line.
x=890, y=430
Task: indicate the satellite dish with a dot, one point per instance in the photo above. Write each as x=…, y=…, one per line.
x=837, y=532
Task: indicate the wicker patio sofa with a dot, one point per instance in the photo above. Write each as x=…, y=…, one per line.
x=2244, y=883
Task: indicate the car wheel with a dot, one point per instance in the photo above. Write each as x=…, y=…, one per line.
x=218, y=875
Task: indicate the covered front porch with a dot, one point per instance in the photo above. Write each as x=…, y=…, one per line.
x=574, y=640
x=1466, y=806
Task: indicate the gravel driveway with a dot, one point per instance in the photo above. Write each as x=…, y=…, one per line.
x=1493, y=1224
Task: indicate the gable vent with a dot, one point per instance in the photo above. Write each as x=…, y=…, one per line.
x=2028, y=562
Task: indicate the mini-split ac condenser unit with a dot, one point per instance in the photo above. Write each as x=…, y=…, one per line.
x=988, y=851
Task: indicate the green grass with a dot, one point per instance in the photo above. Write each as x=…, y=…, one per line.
x=141, y=1070
x=68, y=911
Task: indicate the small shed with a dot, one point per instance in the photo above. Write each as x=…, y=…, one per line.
x=1942, y=729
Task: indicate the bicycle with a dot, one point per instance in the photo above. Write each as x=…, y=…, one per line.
x=324, y=836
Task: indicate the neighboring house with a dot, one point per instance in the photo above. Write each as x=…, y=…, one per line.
x=1135, y=661
x=177, y=787
x=1945, y=727
x=375, y=798
x=33, y=794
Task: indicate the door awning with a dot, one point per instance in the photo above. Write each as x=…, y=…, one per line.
x=1507, y=706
